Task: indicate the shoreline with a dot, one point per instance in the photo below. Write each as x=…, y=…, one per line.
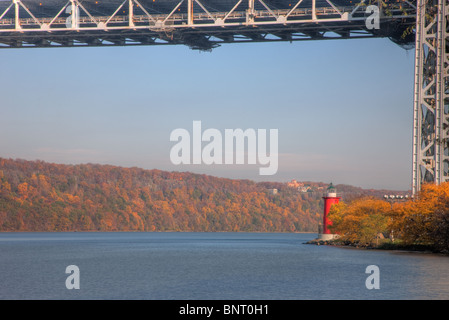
x=426, y=249
x=157, y=231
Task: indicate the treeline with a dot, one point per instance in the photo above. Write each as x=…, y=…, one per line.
x=422, y=222
x=39, y=196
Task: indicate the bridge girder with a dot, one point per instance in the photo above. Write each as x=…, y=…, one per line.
x=200, y=24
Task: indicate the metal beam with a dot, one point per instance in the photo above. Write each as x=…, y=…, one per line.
x=75, y=23
x=431, y=96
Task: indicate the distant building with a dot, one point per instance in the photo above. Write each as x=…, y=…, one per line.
x=273, y=191
x=295, y=184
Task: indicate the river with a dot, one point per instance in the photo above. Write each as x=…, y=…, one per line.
x=209, y=266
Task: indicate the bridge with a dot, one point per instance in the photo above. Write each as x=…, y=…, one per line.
x=207, y=24
x=199, y=24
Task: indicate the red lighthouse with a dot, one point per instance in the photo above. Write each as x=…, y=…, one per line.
x=330, y=199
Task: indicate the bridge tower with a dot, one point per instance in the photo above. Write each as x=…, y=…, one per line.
x=431, y=95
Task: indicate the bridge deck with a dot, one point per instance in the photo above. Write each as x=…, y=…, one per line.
x=200, y=24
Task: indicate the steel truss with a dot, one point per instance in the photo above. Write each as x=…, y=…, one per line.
x=431, y=103
x=200, y=24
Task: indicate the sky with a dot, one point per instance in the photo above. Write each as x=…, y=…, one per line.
x=343, y=108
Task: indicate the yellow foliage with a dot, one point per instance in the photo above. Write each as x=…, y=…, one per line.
x=22, y=189
x=360, y=221
x=417, y=221
x=418, y=216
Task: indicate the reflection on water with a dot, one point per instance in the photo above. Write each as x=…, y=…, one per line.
x=209, y=266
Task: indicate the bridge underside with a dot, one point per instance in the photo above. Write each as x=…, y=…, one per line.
x=199, y=24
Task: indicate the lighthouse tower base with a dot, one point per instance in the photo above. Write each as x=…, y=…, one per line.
x=327, y=236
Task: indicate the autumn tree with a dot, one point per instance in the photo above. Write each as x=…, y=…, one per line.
x=425, y=219
x=361, y=221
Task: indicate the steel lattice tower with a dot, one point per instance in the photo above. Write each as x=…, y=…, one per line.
x=431, y=102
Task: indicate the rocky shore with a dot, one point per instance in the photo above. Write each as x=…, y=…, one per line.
x=382, y=246
x=320, y=242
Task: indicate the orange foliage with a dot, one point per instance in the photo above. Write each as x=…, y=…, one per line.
x=38, y=196
x=423, y=220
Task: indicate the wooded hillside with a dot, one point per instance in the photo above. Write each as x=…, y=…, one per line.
x=40, y=196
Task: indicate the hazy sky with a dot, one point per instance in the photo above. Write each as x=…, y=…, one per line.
x=343, y=108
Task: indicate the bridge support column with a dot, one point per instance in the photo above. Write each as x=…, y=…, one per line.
x=250, y=12
x=431, y=100
x=190, y=12
x=73, y=21
x=131, y=13
x=16, y=14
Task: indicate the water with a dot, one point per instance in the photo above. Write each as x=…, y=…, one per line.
x=200, y=266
